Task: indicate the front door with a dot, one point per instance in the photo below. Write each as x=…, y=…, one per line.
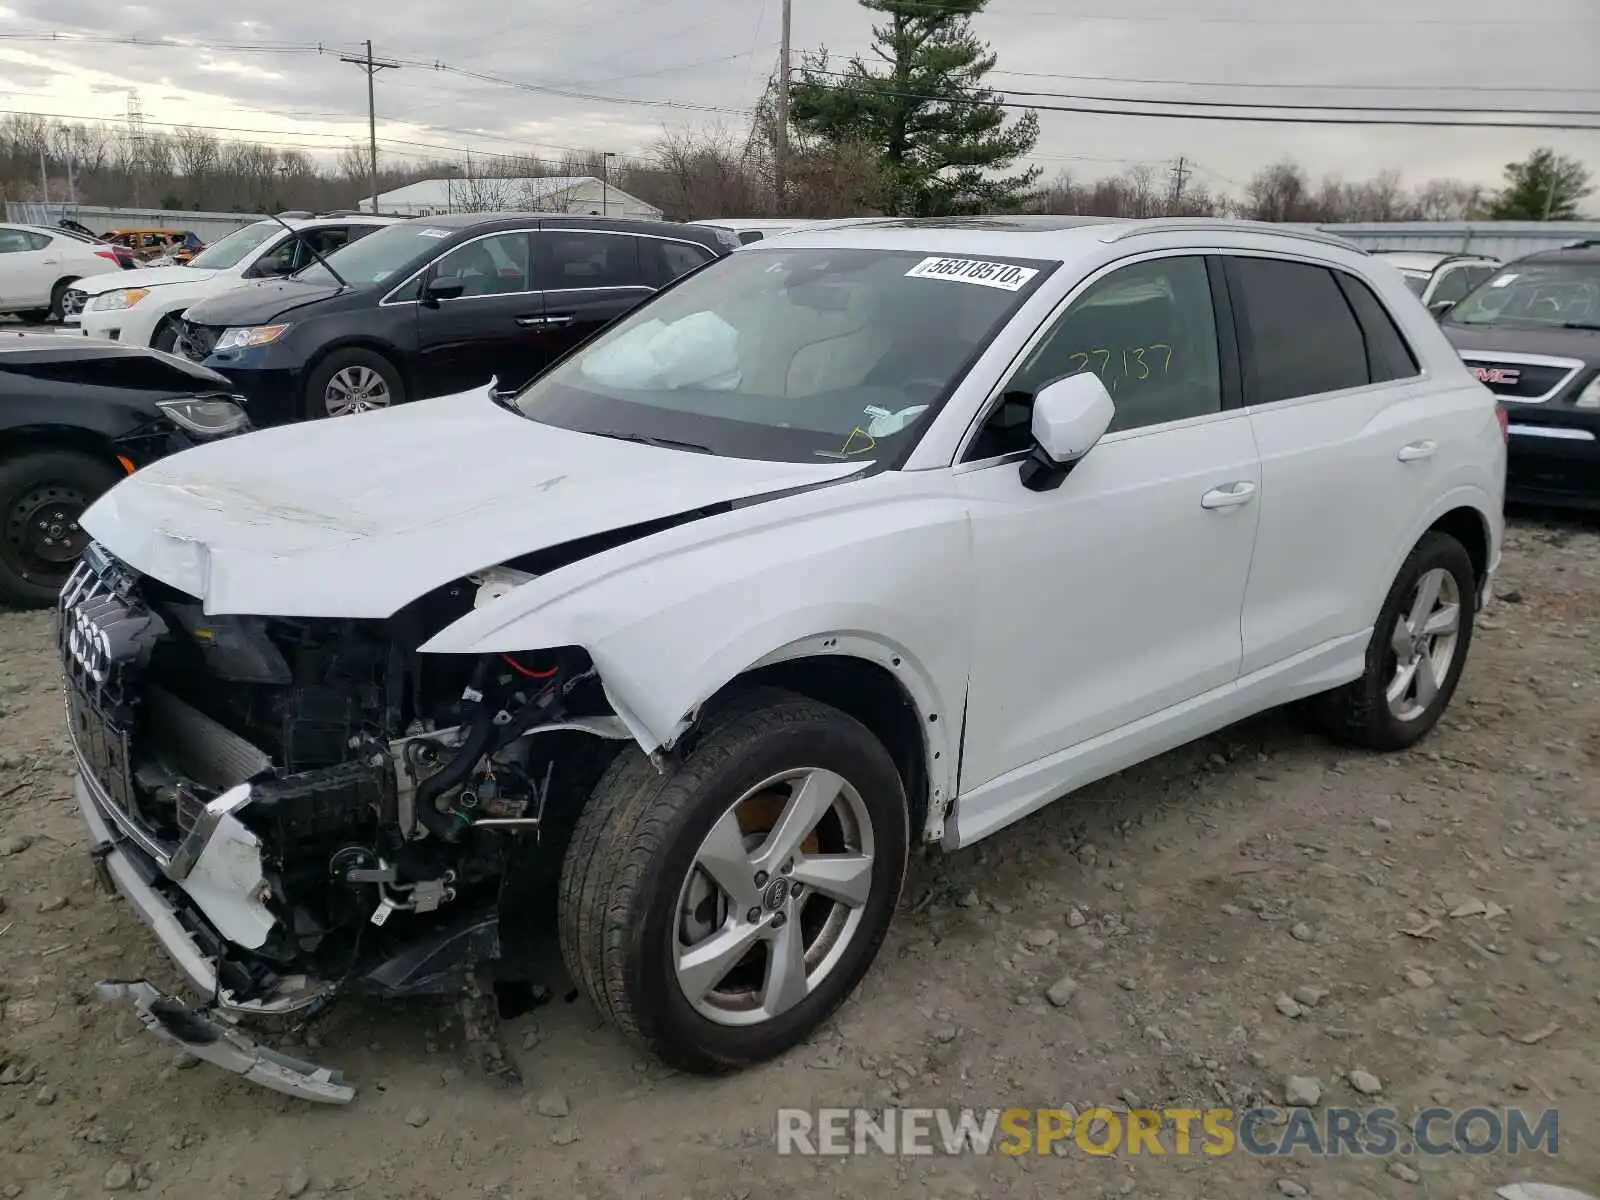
x=590, y=279
x=491, y=330
x=1118, y=594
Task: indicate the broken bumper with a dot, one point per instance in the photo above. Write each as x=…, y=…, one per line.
x=226, y=1047
x=124, y=868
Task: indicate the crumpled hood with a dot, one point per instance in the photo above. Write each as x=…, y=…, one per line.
x=142, y=277
x=356, y=516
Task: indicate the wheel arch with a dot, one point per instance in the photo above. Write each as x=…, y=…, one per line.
x=872, y=684
x=1464, y=513
x=387, y=350
x=32, y=439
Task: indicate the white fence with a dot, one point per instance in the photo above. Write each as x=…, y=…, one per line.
x=98, y=218
x=1504, y=240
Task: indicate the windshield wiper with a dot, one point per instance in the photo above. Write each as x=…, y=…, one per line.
x=663, y=443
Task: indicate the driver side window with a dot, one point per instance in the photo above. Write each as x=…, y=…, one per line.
x=1147, y=330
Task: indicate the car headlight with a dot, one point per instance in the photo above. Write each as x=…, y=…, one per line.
x=213, y=416
x=1590, y=396
x=119, y=299
x=244, y=336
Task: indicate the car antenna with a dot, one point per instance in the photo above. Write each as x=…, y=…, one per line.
x=306, y=242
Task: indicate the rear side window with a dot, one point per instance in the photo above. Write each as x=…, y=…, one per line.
x=1388, y=355
x=578, y=259
x=664, y=261
x=1453, y=286
x=1297, y=332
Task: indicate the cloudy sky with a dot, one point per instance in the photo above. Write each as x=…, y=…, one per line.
x=639, y=65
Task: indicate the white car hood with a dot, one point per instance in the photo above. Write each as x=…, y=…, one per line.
x=356, y=516
x=145, y=277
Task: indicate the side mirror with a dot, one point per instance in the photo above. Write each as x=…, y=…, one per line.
x=1439, y=307
x=1069, y=417
x=442, y=289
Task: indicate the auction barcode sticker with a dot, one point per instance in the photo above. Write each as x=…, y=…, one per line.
x=974, y=270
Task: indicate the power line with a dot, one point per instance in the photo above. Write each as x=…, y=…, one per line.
x=1286, y=114
x=1185, y=18
x=1436, y=109
x=1345, y=87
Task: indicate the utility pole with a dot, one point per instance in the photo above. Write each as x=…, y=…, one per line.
x=605, y=183
x=780, y=166
x=1180, y=177
x=371, y=66
x=44, y=177
x=1549, y=197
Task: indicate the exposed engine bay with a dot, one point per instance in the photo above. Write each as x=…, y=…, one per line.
x=324, y=808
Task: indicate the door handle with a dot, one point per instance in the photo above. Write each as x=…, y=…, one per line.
x=531, y=322
x=559, y=322
x=1413, y=451
x=1230, y=495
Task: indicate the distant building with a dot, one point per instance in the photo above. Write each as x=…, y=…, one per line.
x=578, y=194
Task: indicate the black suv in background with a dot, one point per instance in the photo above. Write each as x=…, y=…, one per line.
x=77, y=415
x=1531, y=333
x=435, y=306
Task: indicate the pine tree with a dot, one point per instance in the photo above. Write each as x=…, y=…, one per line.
x=1545, y=187
x=944, y=139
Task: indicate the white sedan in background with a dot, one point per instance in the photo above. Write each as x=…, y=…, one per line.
x=37, y=265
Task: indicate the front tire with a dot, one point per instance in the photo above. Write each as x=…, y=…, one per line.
x=720, y=912
x=352, y=381
x=165, y=337
x=42, y=495
x=1416, y=656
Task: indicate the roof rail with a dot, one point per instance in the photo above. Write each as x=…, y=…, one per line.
x=1122, y=232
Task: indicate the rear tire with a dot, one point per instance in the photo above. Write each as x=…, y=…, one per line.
x=58, y=299
x=42, y=495
x=642, y=921
x=1411, y=673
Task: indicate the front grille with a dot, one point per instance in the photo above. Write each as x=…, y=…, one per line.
x=196, y=342
x=1514, y=380
x=101, y=629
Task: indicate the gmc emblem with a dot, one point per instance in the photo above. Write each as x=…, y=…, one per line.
x=1502, y=375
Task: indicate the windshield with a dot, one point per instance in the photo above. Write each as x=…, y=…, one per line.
x=1535, y=294
x=792, y=355
x=390, y=253
x=233, y=249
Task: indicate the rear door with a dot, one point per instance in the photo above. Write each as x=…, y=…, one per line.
x=492, y=329
x=1352, y=441
x=589, y=278
x=28, y=264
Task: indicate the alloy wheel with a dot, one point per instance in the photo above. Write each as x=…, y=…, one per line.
x=774, y=898
x=1423, y=644
x=355, y=389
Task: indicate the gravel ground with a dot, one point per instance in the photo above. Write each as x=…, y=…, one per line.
x=1249, y=908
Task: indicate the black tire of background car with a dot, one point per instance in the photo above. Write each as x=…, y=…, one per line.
x=58, y=297
x=1358, y=713
x=26, y=582
x=165, y=337
x=635, y=843
x=34, y=316
x=317, y=385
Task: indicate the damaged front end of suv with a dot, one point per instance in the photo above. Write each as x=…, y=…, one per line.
x=308, y=807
